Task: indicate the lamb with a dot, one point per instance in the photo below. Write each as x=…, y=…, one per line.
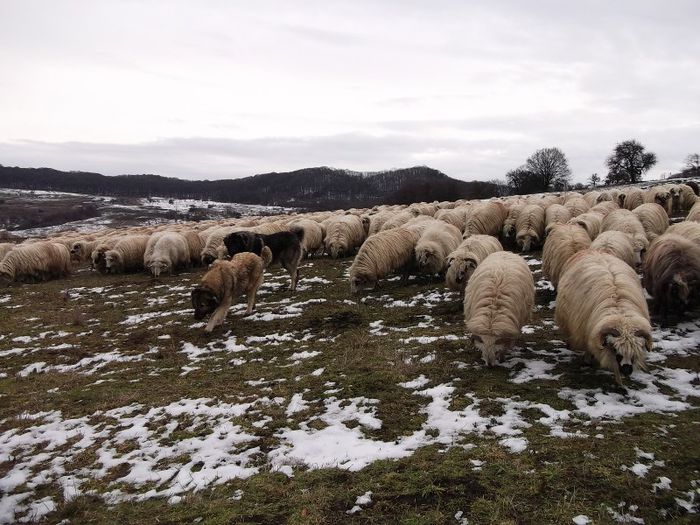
x=227, y=280
x=312, y=243
x=37, y=261
x=381, y=254
x=344, y=235
x=591, y=222
x=672, y=274
x=602, y=311
x=688, y=229
x=485, y=218
x=555, y=214
x=462, y=262
x=127, y=254
x=627, y=222
x=529, y=227
x=633, y=197
x=563, y=242
x=654, y=219
x=498, y=301
x=616, y=243
x=434, y=244
x=166, y=252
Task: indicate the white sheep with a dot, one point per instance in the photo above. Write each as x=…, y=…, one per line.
x=562, y=242
x=627, y=222
x=616, y=243
x=602, y=311
x=529, y=228
x=498, y=301
x=166, y=253
x=312, y=242
x=555, y=214
x=435, y=243
x=485, y=218
x=127, y=254
x=654, y=219
x=462, y=262
x=344, y=234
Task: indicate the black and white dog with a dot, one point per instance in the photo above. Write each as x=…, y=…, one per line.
x=285, y=247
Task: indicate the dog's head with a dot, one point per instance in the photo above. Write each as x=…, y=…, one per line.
x=239, y=242
x=204, y=302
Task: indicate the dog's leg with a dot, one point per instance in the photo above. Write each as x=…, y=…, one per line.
x=252, y=294
x=219, y=314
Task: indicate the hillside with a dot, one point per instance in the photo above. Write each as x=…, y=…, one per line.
x=314, y=188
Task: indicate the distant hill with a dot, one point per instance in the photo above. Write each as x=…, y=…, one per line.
x=311, y=188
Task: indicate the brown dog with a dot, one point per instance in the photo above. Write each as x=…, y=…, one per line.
x=227, y=280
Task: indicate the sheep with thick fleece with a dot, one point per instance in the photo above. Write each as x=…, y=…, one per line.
x=602, y=311
x=344, y=234
x=687, y=198
x=555, y=214
x=377, y=220
x=462, y=262
x=616, y=243
x=215, y=241
x=435, y=243
x=381, y=254
x=81, y=250
x=688, y=229
x=312, y=242
x=398, y=219
x=562, y=243
x=485, y=218
x=627, y=222
x=694, y=213
x=654, y=219
x=604, y=207
x=456, y=217
x=195, y=245
x=37, y=261
x=97, y=257
x=577, y=206
x=529, y=228
x=633, y=198
x=498, y=301
x=508, y=229
x=127, y=254
x=672, y=274
x=591, y=197
x=166, y=253
x=5, y=248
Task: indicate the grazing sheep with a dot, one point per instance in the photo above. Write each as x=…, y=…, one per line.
x=633, y=198
x=688, y=229
x=688, y=198
x=616, y=243
x=508, y=230
x=381, y=254
x=589, y=221
x=591, y=197
x=576, y=206
x=654, y=219
x=563, y=241
x=195, y=245
x=602, y=311
x=127, y=254
x=529, y=227
x=37, y=261
x=398, y=219
x=672, y=274
x=227, y=280
x=555, y=214
x=603, y=208
x=81, y=250
x=498, y=301
x=462, y=262
x=627, y=222
x=377, y=221
x=97, y=257
x=694, y=213
x=660, y=195
x=435, y=243
x=485, y=218
x=214, y=242
x=165, y=253
x=312, y=243
x=456, y=217
x=344, y=235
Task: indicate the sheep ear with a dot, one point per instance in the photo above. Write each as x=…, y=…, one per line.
x=648, y=341
x=610, y=332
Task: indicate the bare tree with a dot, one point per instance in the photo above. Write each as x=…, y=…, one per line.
x=628, y=162
x=595, y=179
x=692, y=163
x=550, y=169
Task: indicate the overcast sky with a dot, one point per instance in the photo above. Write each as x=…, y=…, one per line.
x=218, y=89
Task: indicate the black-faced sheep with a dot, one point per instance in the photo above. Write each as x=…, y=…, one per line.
x=498, y=301
x=462, y=262
x=562, y=242
x=672, y=274
x=602, y=311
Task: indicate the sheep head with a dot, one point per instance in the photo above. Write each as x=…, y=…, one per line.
x=428, y=259
x=493, y=349
x=624, y=349
x=159, y=266
x=526, y=242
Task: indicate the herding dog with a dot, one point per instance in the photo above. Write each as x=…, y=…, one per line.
x=227, y=280
x=285, y=247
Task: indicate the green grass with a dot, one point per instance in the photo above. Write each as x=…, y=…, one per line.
x=551, y=481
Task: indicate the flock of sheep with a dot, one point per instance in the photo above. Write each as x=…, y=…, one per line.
x=592, y=246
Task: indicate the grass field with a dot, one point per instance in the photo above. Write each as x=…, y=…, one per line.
x=324, y=407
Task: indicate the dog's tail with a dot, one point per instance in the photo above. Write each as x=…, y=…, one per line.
x=298, y=231
x=266, y=256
